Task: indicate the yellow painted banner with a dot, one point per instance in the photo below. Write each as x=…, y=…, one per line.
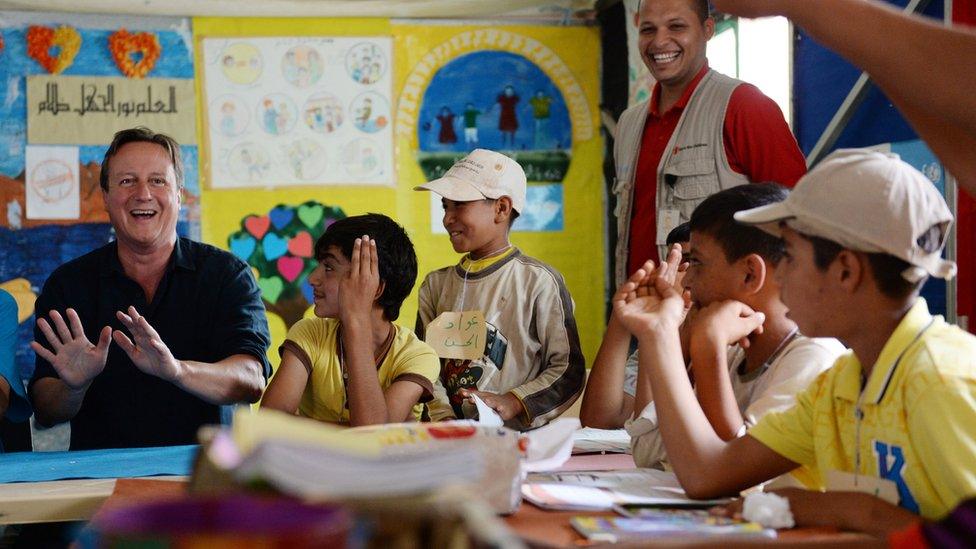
x=88, y=110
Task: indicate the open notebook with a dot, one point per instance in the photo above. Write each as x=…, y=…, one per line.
x=603, y=490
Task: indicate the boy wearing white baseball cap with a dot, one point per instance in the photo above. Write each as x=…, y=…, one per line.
x=895, y=416
x=532, y=367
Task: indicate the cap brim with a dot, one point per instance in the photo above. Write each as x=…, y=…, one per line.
x=452, y=188
x=766, y=217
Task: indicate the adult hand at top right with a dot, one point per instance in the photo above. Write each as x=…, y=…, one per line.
x=74, y=357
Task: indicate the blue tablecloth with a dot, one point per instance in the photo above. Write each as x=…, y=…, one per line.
x=118, y=462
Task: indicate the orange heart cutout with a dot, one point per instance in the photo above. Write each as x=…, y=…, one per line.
x=41, y=39
x=123, y=45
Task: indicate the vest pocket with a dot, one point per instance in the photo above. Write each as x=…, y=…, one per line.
x=690, y=182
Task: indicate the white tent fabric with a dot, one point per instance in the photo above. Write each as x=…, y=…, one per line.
x=553, y=10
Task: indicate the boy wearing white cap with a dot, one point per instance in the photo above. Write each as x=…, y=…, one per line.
x=532, y=368
x=896, y=416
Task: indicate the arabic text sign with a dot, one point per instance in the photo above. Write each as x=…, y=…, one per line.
x=458, y=335
x=83, y=110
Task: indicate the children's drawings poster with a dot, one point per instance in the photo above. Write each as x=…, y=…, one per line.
x=298, y=111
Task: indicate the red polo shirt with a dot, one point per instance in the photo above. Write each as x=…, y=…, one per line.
x=758, y=143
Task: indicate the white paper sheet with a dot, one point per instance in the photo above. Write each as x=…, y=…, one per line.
x=52, y=183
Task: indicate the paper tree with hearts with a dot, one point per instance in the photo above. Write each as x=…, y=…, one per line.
x=279, y=246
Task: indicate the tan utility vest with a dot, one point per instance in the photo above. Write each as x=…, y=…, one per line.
x=694, y=164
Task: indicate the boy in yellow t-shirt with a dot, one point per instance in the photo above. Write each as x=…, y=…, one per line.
x=351, y=364
x=896, y=416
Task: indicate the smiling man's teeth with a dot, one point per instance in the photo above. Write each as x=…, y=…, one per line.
x=143, y=212
x=665, y=57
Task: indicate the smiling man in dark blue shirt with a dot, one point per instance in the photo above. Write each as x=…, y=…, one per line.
x=186, y=318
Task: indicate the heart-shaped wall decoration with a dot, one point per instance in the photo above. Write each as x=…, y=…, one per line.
x=41, y=39
x=124, y=45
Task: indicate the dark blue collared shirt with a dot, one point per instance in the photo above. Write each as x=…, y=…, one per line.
x=207, y=307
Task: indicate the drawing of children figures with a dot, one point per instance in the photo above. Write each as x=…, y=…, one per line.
x=282, y=120
x=446, y=136
x=270, y=117
x=228, y=125
x=540, y=104
x=356, y=72
x=364, y=70
x=470, y=115
x=507, y=120
x=364, y=112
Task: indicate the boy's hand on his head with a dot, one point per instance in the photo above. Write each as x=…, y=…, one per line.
x=727, y=322
x=507, y=405
x=648, y=302
x=676, y=275
x=358, y=289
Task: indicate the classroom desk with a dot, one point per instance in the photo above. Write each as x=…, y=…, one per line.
x=30, y=493
x=32, y=502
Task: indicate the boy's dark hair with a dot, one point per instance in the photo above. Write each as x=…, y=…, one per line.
x=142, y=134
x=511, y=218
x=886, y=269
x=701, y=8
x=714, y=217
x=397, y=260
x=681, y=233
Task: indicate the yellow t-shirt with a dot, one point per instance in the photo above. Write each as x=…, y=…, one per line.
x=314, y=342
x=918, y=426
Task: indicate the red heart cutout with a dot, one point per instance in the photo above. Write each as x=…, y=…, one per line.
x=290, y=267
x=257, y=226
x=301, y=245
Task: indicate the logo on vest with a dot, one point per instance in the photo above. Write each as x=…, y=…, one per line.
x=678, y=149
x=891, y=465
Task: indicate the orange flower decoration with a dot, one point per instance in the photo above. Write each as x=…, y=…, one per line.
x=41, y=39
x=1, y=42
x=123, y=45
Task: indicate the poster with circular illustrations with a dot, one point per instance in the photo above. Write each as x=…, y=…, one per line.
x=298, y=111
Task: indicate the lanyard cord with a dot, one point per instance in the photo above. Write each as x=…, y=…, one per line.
x=464, y=282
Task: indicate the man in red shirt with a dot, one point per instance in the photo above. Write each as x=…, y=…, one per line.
x=701, y=132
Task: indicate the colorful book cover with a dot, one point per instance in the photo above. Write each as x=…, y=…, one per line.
x=655, y=523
